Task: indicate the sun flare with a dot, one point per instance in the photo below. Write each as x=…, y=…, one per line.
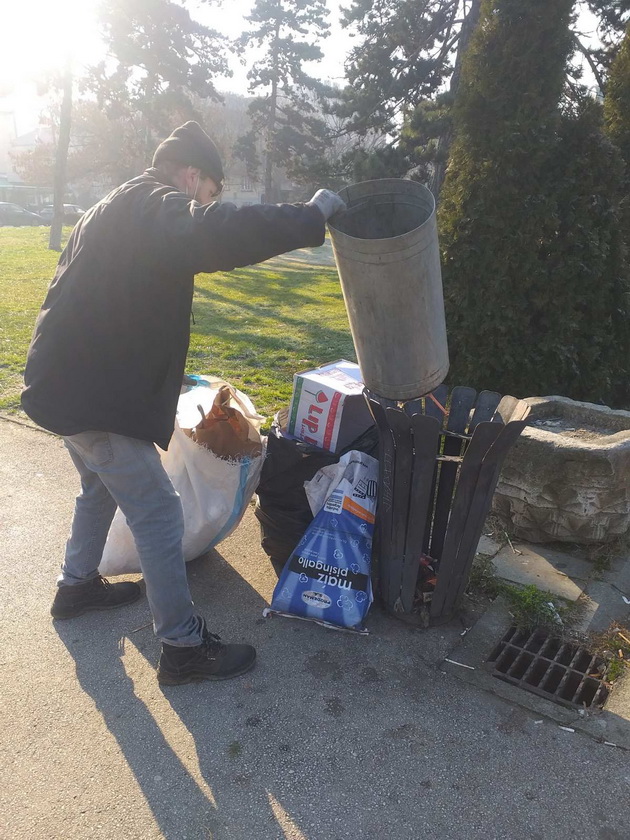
x=40, y=35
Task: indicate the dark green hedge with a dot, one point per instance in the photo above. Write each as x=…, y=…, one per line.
x=534, y=274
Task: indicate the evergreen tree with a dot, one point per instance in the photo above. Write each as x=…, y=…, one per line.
x=425, y=140
x=285, y=113
x=498, y=211
x=617, y=126
x=406, y=65
x=407, y=52
x=529, y=220
x=404, y=54
x=612, y=20
x=383, y=162
x=617, y=101
x=584, y=324
x=617, y=119
x=160, y=56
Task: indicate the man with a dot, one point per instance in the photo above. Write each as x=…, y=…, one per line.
x=105, y=367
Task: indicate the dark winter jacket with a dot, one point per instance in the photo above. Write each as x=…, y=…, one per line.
x=110, y=343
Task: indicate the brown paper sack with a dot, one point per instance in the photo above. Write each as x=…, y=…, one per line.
x=225, y=431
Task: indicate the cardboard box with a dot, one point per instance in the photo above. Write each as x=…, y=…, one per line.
x=328, y=408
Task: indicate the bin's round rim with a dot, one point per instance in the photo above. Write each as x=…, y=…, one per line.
x=385, y=181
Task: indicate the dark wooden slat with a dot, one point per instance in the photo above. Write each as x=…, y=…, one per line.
x=400, y=425
x=426, y=436
x=433, y=410
x=462, y=401
x=483, y=437
x=382, y=547
x=385, y=402
x=479, y=509
x=412, y=407
x=441, y=393
x=431, y=509
x=486, y=404
x=456, y=435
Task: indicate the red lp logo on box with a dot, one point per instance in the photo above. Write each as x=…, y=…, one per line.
x=312, y=420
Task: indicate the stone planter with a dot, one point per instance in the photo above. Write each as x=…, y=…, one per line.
x=567, y=478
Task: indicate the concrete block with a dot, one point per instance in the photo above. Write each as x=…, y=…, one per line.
x=605, y=605
x=488, y=546
x=567, y=478
x=619, y=574
x=561, y=574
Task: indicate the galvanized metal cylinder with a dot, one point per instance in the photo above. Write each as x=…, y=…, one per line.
x=386, y=250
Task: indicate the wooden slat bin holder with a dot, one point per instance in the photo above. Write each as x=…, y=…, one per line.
x=440, y=459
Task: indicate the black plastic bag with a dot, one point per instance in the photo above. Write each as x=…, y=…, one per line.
x=282, y=508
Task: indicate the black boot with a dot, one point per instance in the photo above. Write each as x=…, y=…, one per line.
x=95, y=594
x=211, y=660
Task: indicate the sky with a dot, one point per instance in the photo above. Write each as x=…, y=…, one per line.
x=39, y=34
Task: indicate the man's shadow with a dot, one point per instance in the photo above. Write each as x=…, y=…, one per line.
x=135, y=712
x=240, y=759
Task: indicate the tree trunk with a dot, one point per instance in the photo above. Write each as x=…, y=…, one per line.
x=444, y=143
x=270, y=190
x=150, y=91
x=61, y=161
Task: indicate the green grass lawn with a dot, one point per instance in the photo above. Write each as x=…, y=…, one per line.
x=255, y=326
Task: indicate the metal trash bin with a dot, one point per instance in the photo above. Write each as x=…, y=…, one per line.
x=440, y=459
x=387, y=255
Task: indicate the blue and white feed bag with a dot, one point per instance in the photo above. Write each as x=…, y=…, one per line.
x=327, y=577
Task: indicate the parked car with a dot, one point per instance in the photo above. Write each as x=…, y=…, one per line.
x=71, y=213
x=13, y=214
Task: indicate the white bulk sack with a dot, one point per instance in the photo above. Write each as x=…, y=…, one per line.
x=214, y=491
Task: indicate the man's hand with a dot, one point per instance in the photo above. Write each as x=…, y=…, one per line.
x=328, y=202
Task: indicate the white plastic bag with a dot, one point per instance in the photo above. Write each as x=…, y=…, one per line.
x=214, y=491
x=326, y=480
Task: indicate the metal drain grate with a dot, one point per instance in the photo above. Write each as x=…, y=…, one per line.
x=549, y=667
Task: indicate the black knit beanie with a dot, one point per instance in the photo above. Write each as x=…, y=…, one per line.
x=190, y=145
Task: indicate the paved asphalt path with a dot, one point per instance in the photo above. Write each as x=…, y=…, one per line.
x=332, y=737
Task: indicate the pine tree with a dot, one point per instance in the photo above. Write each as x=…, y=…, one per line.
x=404, y=70
x=403, y=55
x=285, y=114
x=160, y=56
x=408, y=51
x=612, y=20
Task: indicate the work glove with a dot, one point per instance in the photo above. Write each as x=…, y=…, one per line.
x=328, y=202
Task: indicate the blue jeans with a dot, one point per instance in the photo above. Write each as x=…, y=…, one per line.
x=124, y=472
